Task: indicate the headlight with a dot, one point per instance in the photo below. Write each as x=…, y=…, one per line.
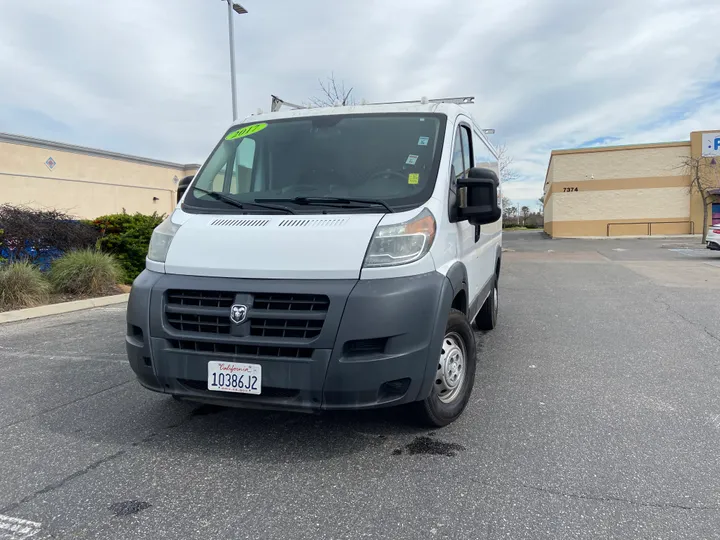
x=160, y=240
x=402, y=243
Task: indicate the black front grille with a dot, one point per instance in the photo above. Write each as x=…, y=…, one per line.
x=207, y=324
x=200, y=298
x=286, y=328
x=236, y=349
x=292, y=302
x=271, y=315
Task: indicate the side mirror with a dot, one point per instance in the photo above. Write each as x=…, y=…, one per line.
x=182, y=186
x=481, y=202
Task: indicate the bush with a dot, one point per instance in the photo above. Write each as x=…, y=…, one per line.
x=85, y=272
x=127, y=237
x=22, y=285
x=39, y=236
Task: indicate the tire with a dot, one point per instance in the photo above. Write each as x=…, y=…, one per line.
x=446, y=401
x=486, y=318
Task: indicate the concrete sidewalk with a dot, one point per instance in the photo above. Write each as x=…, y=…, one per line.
x=63, y=307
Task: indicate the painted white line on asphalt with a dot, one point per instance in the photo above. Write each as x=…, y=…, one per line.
x=12, y=528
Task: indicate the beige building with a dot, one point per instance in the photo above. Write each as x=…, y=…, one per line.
x=84, y=182
x=626, y=190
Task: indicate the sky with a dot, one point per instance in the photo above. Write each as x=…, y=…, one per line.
x=151, y=77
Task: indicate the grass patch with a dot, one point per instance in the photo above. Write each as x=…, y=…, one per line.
x=85, y=272
x=22, y=285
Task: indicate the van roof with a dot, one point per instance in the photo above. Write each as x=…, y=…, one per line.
x=449, y=109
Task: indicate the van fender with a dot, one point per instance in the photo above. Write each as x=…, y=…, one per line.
x=457, y=276
x=442, y=312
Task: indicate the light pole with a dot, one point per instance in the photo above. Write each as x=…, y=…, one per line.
x=237, y=8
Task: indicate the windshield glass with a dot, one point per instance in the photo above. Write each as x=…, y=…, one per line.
x=391, y=158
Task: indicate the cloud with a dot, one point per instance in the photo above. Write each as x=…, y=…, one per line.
x=151, y=77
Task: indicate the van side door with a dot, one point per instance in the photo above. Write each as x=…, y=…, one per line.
x=490, y=234
x=467, y=235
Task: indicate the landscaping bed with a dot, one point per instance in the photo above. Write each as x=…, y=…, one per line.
x=47, y=257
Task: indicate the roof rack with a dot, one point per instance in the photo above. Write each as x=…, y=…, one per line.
x=466, y=100
x=277, y=103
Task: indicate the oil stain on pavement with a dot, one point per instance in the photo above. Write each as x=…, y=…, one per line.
x=127, y=508
x=426, y=445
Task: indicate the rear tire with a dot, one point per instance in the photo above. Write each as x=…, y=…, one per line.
x=486, y=318
x=455, y=375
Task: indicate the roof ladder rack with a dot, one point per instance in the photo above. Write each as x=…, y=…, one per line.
x=465, y=100
x=278, y=103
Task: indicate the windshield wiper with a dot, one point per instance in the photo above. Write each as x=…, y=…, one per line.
x=332, y=201
x=238, y=204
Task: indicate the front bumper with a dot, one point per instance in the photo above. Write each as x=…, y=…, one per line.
x=378, y=344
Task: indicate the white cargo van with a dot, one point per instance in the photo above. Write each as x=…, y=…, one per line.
x=327, y=258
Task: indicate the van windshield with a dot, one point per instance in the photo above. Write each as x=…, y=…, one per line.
x=391, y=158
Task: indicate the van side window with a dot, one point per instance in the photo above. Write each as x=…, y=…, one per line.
x=483, y=157
x=467, y=149
x=462, y=160
x=457, y=161
x=486, y=159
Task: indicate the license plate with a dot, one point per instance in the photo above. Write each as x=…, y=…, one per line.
x=234, y=377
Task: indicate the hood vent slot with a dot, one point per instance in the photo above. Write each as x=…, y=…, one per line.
x=240, y=222
x=299, y=222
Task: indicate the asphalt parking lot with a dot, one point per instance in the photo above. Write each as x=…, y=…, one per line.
x=596, y=414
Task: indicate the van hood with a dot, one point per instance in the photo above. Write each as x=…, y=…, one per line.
x=272, y=247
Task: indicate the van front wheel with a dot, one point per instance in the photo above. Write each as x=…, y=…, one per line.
x=455, y=376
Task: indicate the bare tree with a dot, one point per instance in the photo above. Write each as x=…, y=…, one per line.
x=332, y=92
x=541, y=206
x=506, y=202
x=505, y=161
x=525, y=211
x=507, y=208
x=510, y=213
x=704, y=176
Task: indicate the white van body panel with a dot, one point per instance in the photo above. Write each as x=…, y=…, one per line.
x=272, y=246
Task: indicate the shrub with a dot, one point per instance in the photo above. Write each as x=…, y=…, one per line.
x=39, y=236
x=127, y=237
x=85, y=272
x=22, y=285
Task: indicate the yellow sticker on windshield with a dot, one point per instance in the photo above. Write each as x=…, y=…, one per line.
x=245, y=131
x=413, y=178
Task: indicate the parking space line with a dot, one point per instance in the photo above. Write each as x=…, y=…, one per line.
x=12, y=528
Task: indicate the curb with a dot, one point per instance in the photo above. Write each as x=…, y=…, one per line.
x=64, y=307
x=643, y=237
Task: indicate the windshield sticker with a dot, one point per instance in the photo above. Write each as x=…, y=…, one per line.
x=411, y=160
x=423, y=141
x=245, y=131
x=413, y=178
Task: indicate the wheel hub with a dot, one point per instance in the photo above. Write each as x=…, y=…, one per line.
x=451, y=368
